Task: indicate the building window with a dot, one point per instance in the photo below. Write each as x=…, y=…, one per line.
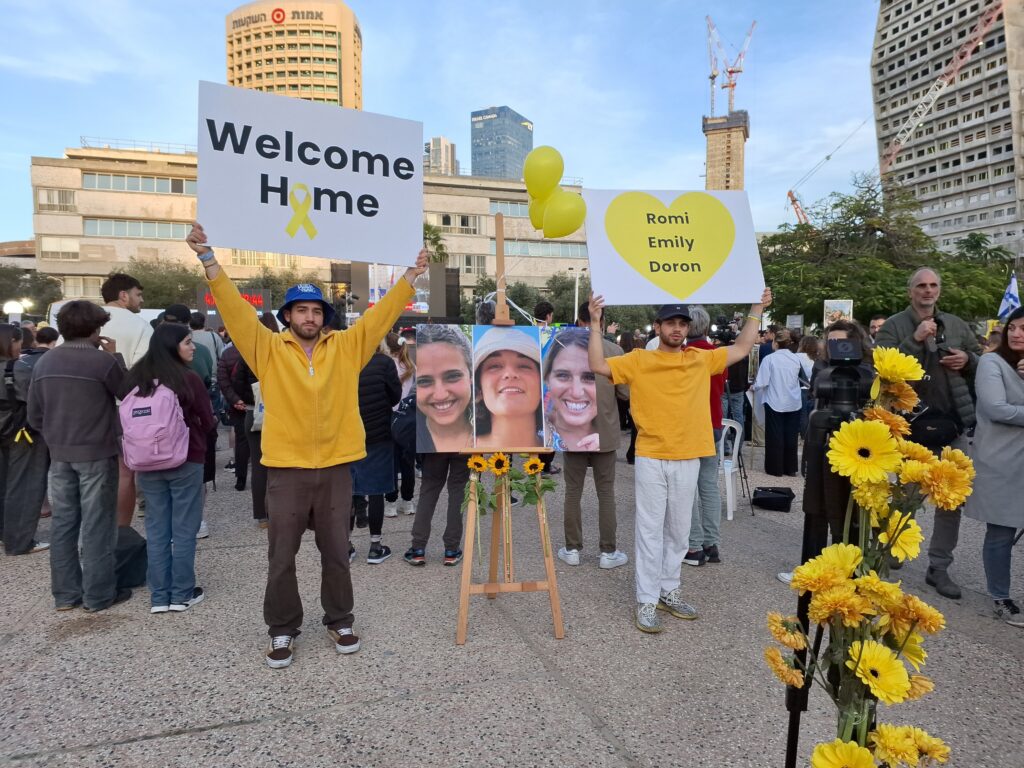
x=511, y=208
x=58, y=248
x=60, y=200
x=542, y=249
x=159, y=230
x=77, y=287
x=455, y=223
x=156, y=184
x=261, y=259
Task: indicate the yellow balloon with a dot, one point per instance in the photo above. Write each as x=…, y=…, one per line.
x=537, y=212
x=563, y=214
x=542, y=171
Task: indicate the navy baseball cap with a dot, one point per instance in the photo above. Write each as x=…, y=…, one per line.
x=669, y=311
x=305, y=292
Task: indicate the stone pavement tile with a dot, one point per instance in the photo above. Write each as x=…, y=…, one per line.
x=529, y=723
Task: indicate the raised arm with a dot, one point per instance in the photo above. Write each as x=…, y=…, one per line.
x=745, y=341
x=595, y=349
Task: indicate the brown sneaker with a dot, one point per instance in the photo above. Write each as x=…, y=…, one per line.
x=280, y=653
x=344, y=640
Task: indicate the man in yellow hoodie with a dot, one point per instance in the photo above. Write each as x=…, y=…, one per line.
x=312, y=432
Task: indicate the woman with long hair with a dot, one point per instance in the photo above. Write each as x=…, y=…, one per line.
x=507, y=384
x=405, y=461
x=570, y=388
x=999, y=461
x=174, y=497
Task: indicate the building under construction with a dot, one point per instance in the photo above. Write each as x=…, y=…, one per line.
x=726, y=134
x=948, y=78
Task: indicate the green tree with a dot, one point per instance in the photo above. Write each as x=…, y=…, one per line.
x=433, y=239
x=278, y=281
x=977, y=247
x=39, y=288
x=165, y=281
x=525, y=297
x=561, y=292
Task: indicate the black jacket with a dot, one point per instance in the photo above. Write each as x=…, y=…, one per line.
x=379, y=392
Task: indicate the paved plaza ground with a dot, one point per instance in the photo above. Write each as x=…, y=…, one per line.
x=124, y=688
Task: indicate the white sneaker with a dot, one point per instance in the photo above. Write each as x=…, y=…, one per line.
x=390, y=510
x=406, y=507
x=570, y=556
x=613, y=559
x=160, y=609
x=785, y=577
x=203, y=531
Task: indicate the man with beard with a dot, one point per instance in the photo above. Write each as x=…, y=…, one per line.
x=312, y=432
x=670, y=389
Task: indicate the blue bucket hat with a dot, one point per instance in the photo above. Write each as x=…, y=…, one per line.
x=305, y=292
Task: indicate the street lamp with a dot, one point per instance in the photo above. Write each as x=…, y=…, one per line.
x=577, y=273
x=13, y=310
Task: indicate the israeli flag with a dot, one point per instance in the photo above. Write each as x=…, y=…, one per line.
x=1011, y=299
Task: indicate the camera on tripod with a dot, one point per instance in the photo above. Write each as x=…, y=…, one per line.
x=843, y=387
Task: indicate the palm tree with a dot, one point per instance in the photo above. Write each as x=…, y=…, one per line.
x=433, y=239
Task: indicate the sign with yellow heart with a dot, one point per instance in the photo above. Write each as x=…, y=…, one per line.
x=664, y=247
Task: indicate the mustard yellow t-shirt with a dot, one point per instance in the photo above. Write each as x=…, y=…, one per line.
x=669, y=394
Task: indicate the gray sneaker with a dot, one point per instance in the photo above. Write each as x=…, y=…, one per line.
x=647, y=618
x=673, y=603
x=1008, y=611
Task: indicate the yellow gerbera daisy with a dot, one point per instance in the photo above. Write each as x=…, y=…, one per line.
x=477, y=463
x=904, y=537
x=499, y=463
x=841, y=754
x=929, y=619
x=832, y=567
x=915, y=451
x=783, y=668
x=863, y=451
x=900, y=395
x=873, y=497
x=897, y=425
x=947, y=485
x=893, y=365
x=884, y=595
x=787, y=630
x=914, y=471
x=913, y=651
x=841, y=602
x=959, y=458
x=533, y=466
x=894, y=744
x=919, y=686
x=931, y=749
x=880, y=670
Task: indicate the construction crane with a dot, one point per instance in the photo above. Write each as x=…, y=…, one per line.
x=794, y=201
x=731, y=70
x=961, y=57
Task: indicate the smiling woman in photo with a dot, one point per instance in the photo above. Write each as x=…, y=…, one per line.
x=508, y=389
x=570, y=400
x=444, y=389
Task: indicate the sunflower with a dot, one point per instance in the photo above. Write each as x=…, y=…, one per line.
x=783, y=668
x=919, y=686
x=894, y=744
x=904, y=537
x=914, y=471
x=900, y=396
x=880, y=670
x=863, y=451
x=787, y=630
x=477, y=463
x=831, y=568
x=873, y=497
x=893, y=365
x=915, y=451
x=841, y=754
x=930, y=748
x=897, y=425
x=841, y=602
x=499, y=463
x=884, y=595
x=533, y=466
x=928, y=618
x=947, y=486
x=913, y=651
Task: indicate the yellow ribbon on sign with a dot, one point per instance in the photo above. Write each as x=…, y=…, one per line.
x=301, y=208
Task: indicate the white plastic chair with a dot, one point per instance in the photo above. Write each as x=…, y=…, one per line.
x=727, y=463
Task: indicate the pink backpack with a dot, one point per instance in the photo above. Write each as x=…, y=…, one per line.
x=154, y=432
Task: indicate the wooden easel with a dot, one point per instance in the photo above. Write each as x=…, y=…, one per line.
x=501, y=549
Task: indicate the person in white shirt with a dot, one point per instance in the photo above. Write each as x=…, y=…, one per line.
x=778, y=386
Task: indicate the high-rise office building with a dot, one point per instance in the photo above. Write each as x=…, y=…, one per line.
x=963, y=161
x=310, y=49
x=501, y=140
x=439, y=157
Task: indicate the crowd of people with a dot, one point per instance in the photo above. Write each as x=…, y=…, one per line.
x=123, y=415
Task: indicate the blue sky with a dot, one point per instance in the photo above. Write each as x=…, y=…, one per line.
x=618, y=87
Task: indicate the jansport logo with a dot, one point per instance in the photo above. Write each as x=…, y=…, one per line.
x=136, y=412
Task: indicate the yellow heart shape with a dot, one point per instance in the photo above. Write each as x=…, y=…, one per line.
x=679, y=247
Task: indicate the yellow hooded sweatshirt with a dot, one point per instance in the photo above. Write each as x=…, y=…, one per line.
x=311, y=415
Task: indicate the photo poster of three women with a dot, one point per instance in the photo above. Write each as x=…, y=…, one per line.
x=492, y=388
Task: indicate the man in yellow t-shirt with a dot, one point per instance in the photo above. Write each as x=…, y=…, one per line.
x=670, y=392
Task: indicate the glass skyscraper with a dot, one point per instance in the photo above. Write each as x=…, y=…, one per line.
x=501, y=140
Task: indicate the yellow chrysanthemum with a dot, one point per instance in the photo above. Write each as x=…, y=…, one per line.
x=913, y=651
x=961, y=459
x=499, y=463
x=914, y=471
x=787, y=630
x=880, y=670
x=873, y=497
x=841, y=602
x=928, y=618
x=533, y=466
x=894, y=744
x=864, y=451
x=832, y=567
x=898, y=426
x=782, y=668
x=841, y=754
x=915, y=451
x=919, y=686
x=904, y=536
x=947, y=485
x=930, y=749
x=900, y=395
x=884, y=595
x=893, y=365
x=477, y=463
